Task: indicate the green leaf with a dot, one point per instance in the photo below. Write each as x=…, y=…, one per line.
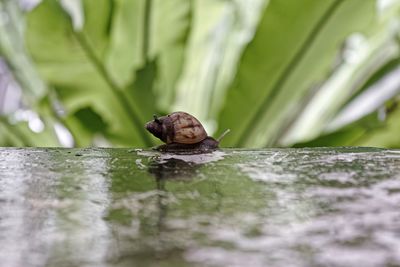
x=169, y=30
x=378, y=75
x=125, y=52
x=212, y=53
x=13, y=51
x=367, y=131
x=293, y=50
x=74, y=64
x=158, y=40
x=348, y=135
x=360, y=57
x=19, y=134
x=11, y=136
x=387, y=135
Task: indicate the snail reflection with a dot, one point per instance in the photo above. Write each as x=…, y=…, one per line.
x=169, y=170
x=172, y=169
x=182, y=166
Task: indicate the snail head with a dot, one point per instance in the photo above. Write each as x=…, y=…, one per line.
x=155, y=127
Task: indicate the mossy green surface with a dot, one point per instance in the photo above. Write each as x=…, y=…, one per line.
x=132, y=207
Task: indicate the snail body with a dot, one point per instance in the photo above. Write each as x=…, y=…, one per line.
x=181, y=132
x=177, y=127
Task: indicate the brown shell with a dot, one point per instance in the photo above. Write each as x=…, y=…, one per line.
x=187, y=129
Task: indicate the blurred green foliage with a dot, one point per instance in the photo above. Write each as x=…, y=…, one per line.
x=277, y=73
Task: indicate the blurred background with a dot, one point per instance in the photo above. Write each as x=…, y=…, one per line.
x=278, y=73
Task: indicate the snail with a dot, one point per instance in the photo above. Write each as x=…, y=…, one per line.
x=182, y=132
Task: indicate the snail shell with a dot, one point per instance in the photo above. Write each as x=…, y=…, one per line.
x=177, y=127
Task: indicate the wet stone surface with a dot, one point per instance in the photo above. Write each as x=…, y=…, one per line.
x=128, y=207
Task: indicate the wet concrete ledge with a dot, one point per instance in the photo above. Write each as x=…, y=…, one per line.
x=133, y=207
